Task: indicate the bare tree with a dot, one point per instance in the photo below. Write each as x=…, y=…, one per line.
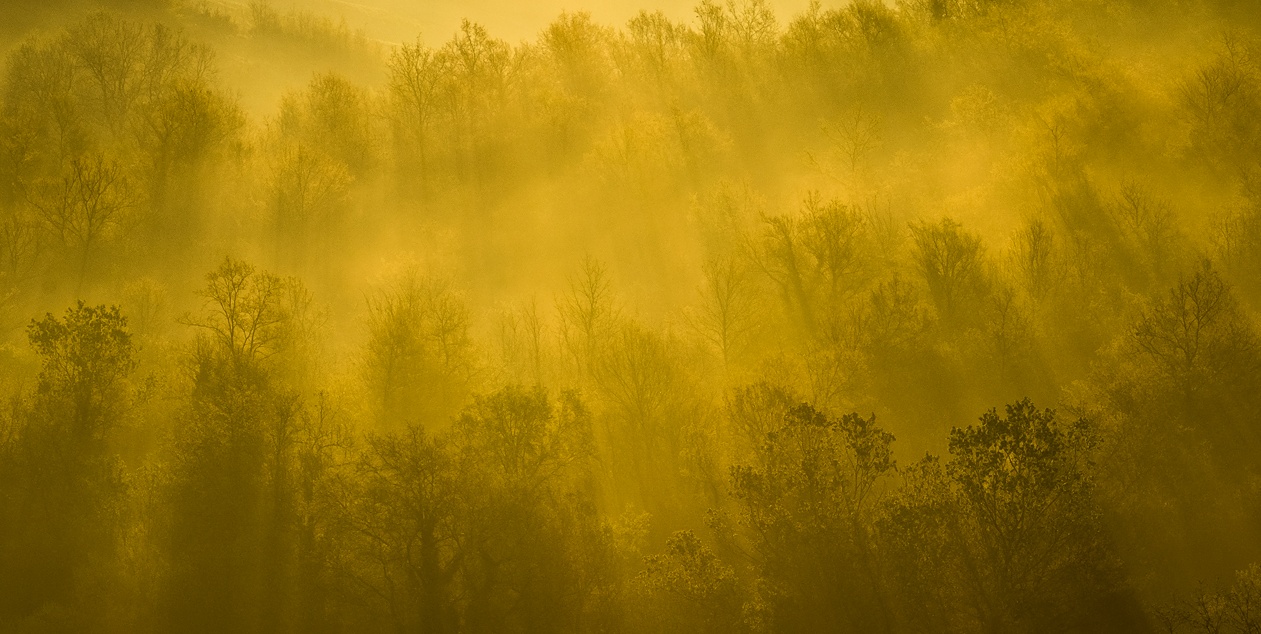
x=245, y=311
x=1034, y=258
x=417, y=81
x=950, y=260
x=419, y=358
x=587, y=314
x=85, y=206
x=728, y=313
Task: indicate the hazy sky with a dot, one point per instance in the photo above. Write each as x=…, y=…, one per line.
x=395, y=20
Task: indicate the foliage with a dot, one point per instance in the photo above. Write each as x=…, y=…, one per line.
x=612, y=329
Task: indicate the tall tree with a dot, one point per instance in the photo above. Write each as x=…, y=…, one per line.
x=62, y=480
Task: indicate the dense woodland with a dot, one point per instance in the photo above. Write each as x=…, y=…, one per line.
x=926, y=316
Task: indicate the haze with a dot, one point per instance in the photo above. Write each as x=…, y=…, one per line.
x=736, y=316
x=401, y=20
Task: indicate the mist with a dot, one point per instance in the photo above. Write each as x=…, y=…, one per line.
x=633, y=316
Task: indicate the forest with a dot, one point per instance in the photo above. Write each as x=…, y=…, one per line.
x=877, y=317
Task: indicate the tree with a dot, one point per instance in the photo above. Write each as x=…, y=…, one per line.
x=526, y=466
x=1235, y=610
x=950, y=260
x=1221, y=99
x=853, y=138
x=658, y=43
x=753, y=411
x=42, y=116
x=1034, y=257
x=1008, y=533
x=689, y=589
x=418, y=76
x=806, y=506
x=523, y=342
x=308, y=195
x=85, y=207
x=20, y=255
x=1236, y=241
x=183, y=134
x=127, y=65
x=401, y=510
x=233, y=499
x=1152, y=229
x=479, y=72
x=245, y=314
x=578, y=47
x=525, y=441
x=641, y=381
x=728, y=315
x=819, y=257
x=1198, y=336
x=587, y=314
x=419, y=360
x=86, y=356
x=331, y=118
x=110, y=50
x=837, y=238
x=63, y=485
